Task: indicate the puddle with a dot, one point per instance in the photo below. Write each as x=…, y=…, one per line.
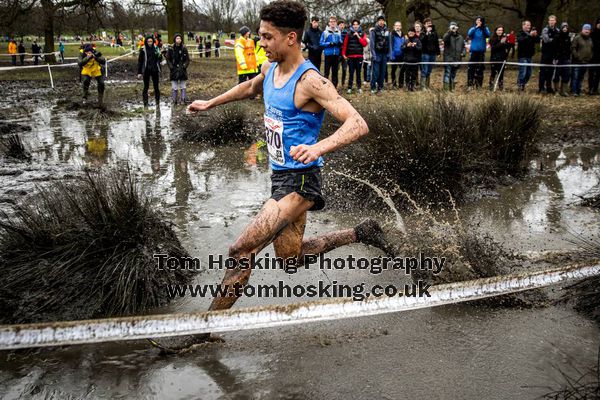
x=210, y=193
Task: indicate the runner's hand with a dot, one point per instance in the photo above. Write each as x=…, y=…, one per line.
x=198, y=105
x=304, y=153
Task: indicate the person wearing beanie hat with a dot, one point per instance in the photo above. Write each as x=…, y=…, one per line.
x=178, y=60
x=381, y=52
x=562, y=76
x=594, y=76
x=91, y=63
x=149, y=68
x=245, y=56
x=581, y=54
x=454, y=51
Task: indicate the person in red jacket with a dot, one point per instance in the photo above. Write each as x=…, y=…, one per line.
x=352, y=52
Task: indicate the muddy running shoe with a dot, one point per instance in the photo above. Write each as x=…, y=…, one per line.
x=369, y=232
x=182, y=344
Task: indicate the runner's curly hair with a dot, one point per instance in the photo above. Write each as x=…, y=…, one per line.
x=287, y=15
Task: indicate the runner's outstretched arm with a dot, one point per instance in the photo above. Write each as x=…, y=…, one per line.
x=316, y=87
x=242, y=91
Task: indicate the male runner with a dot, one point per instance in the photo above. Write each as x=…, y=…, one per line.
x=295, y=96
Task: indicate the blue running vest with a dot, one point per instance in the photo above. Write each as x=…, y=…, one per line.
x=286, y=125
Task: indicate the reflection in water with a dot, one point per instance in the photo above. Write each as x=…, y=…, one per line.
x=537, y=212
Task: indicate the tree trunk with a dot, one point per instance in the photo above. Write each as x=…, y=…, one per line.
x=174, y=18
x=49, y=10
x=395, y=10
x=535, y=10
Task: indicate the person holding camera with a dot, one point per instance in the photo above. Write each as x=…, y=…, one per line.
x=431, y=49
x=526, y=40
x=478, y=34
x=91, y=64
x=412, y=55
x=454, y=50
x=149, y=68
x=500, y=48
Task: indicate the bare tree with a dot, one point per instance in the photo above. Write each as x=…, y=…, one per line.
x=223, y=13
x=250, y=14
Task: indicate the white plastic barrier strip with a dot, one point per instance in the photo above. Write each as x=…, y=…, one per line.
x=62, y=65
x=487, y=62
x=139, y=327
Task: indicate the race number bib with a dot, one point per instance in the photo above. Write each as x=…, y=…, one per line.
x=274, y=136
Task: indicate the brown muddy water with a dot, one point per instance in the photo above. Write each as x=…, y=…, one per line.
x=210, y=193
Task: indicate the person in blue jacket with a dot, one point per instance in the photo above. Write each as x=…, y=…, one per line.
x=398, y=56
x=331, y=42
x=477, y=35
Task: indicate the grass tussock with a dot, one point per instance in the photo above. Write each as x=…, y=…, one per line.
x=11, y=146
x=226, y=124
x=85, y=249
x=428, y=145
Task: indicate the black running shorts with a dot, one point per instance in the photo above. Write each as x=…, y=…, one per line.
x=306, y=182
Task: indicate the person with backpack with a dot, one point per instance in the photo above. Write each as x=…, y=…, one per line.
x=381, y=50
x=478, y=34
x=178, y=60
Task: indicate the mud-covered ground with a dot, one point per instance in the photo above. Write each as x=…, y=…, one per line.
x=211, y=192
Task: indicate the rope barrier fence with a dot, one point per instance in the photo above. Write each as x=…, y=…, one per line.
x=156, y=326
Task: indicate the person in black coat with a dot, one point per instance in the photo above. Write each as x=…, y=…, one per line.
x=499, y=54
x=412, y=55
x=178, y=60
x=21, y=50
x=149, y=68
x=311, y=40
x=562, y=75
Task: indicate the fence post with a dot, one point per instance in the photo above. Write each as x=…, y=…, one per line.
x=50, y=73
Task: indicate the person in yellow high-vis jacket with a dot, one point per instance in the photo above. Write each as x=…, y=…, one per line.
x=259, y=52
x=91, y=64
x=244, y=56
x=12, y=50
